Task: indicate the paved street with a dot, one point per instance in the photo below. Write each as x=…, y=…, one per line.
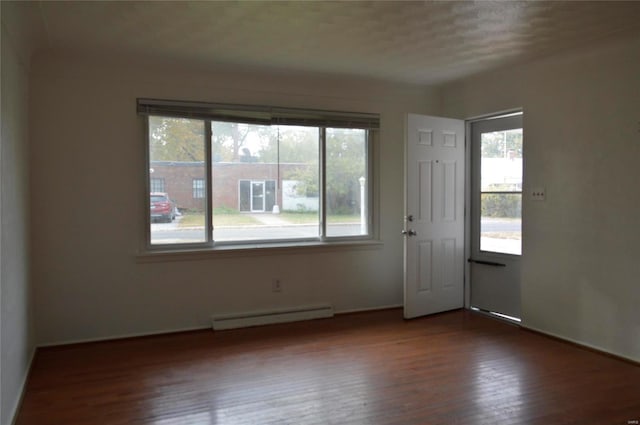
x=500, y=235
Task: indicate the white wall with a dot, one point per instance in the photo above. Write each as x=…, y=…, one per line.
x=16, y=336
x=581, y=247
x=87, y=173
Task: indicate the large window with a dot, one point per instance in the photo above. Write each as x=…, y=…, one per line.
x=258, y=176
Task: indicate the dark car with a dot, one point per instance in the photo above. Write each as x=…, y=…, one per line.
x=163, y=209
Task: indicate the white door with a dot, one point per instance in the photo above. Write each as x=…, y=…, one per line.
x=257, y=196
x=434, y=215
x=496, y=214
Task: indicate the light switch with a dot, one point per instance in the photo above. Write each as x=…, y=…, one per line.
x=537, y=194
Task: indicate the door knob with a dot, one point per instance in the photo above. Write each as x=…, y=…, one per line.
x=409, y=232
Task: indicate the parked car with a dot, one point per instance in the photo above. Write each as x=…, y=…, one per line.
x=163, y=209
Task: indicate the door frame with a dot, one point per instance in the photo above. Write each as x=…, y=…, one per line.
x=468, y=191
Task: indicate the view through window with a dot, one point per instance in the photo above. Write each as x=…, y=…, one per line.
x=176, y=157
x=266, y=181
x=501, y=192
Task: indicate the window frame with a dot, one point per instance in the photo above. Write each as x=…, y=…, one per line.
x=508, y=121
x=209, y=244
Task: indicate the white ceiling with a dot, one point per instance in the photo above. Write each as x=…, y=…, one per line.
x=413, y=42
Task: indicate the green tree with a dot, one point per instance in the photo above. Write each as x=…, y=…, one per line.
x=502, y=144
x=289, y=144
x=295, y=145
x=227, y=140
x=346, y=163
x=239, y=142
x=501, y=204
x=176, y=139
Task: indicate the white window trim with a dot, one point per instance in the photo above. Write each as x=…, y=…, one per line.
x=190, y=251
x=251, y=249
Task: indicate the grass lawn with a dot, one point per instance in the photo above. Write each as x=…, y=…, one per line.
x=343, y=218
x=238, y=219
x=299, y=218
x=197, y=220
x=313, y=218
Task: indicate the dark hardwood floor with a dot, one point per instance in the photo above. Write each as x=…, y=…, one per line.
x=368, y=368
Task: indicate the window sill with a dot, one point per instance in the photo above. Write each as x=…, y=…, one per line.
x=247, y=250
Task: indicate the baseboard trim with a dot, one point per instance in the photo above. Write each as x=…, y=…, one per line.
x=23, y=389
x=125, y=336
x=271, y=317
x=366, y=309
x=185, y=329
x=581, y=344
x=188, y=329
x=490, y=315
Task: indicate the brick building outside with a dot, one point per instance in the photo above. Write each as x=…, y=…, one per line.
x=239, y=186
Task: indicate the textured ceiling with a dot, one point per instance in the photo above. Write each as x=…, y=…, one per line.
x=415, y=42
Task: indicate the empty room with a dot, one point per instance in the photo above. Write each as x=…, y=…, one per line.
x=319, y=212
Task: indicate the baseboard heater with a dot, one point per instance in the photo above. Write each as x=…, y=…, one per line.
x=269, y=317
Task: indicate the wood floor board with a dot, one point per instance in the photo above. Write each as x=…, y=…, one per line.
x=367, y=368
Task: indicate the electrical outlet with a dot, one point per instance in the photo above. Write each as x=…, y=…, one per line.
x=276, y=284
x=537, y=194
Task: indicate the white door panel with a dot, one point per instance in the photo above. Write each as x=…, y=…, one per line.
x=434, y=228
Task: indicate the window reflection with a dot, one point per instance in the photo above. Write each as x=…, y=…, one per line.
x=497, y=385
